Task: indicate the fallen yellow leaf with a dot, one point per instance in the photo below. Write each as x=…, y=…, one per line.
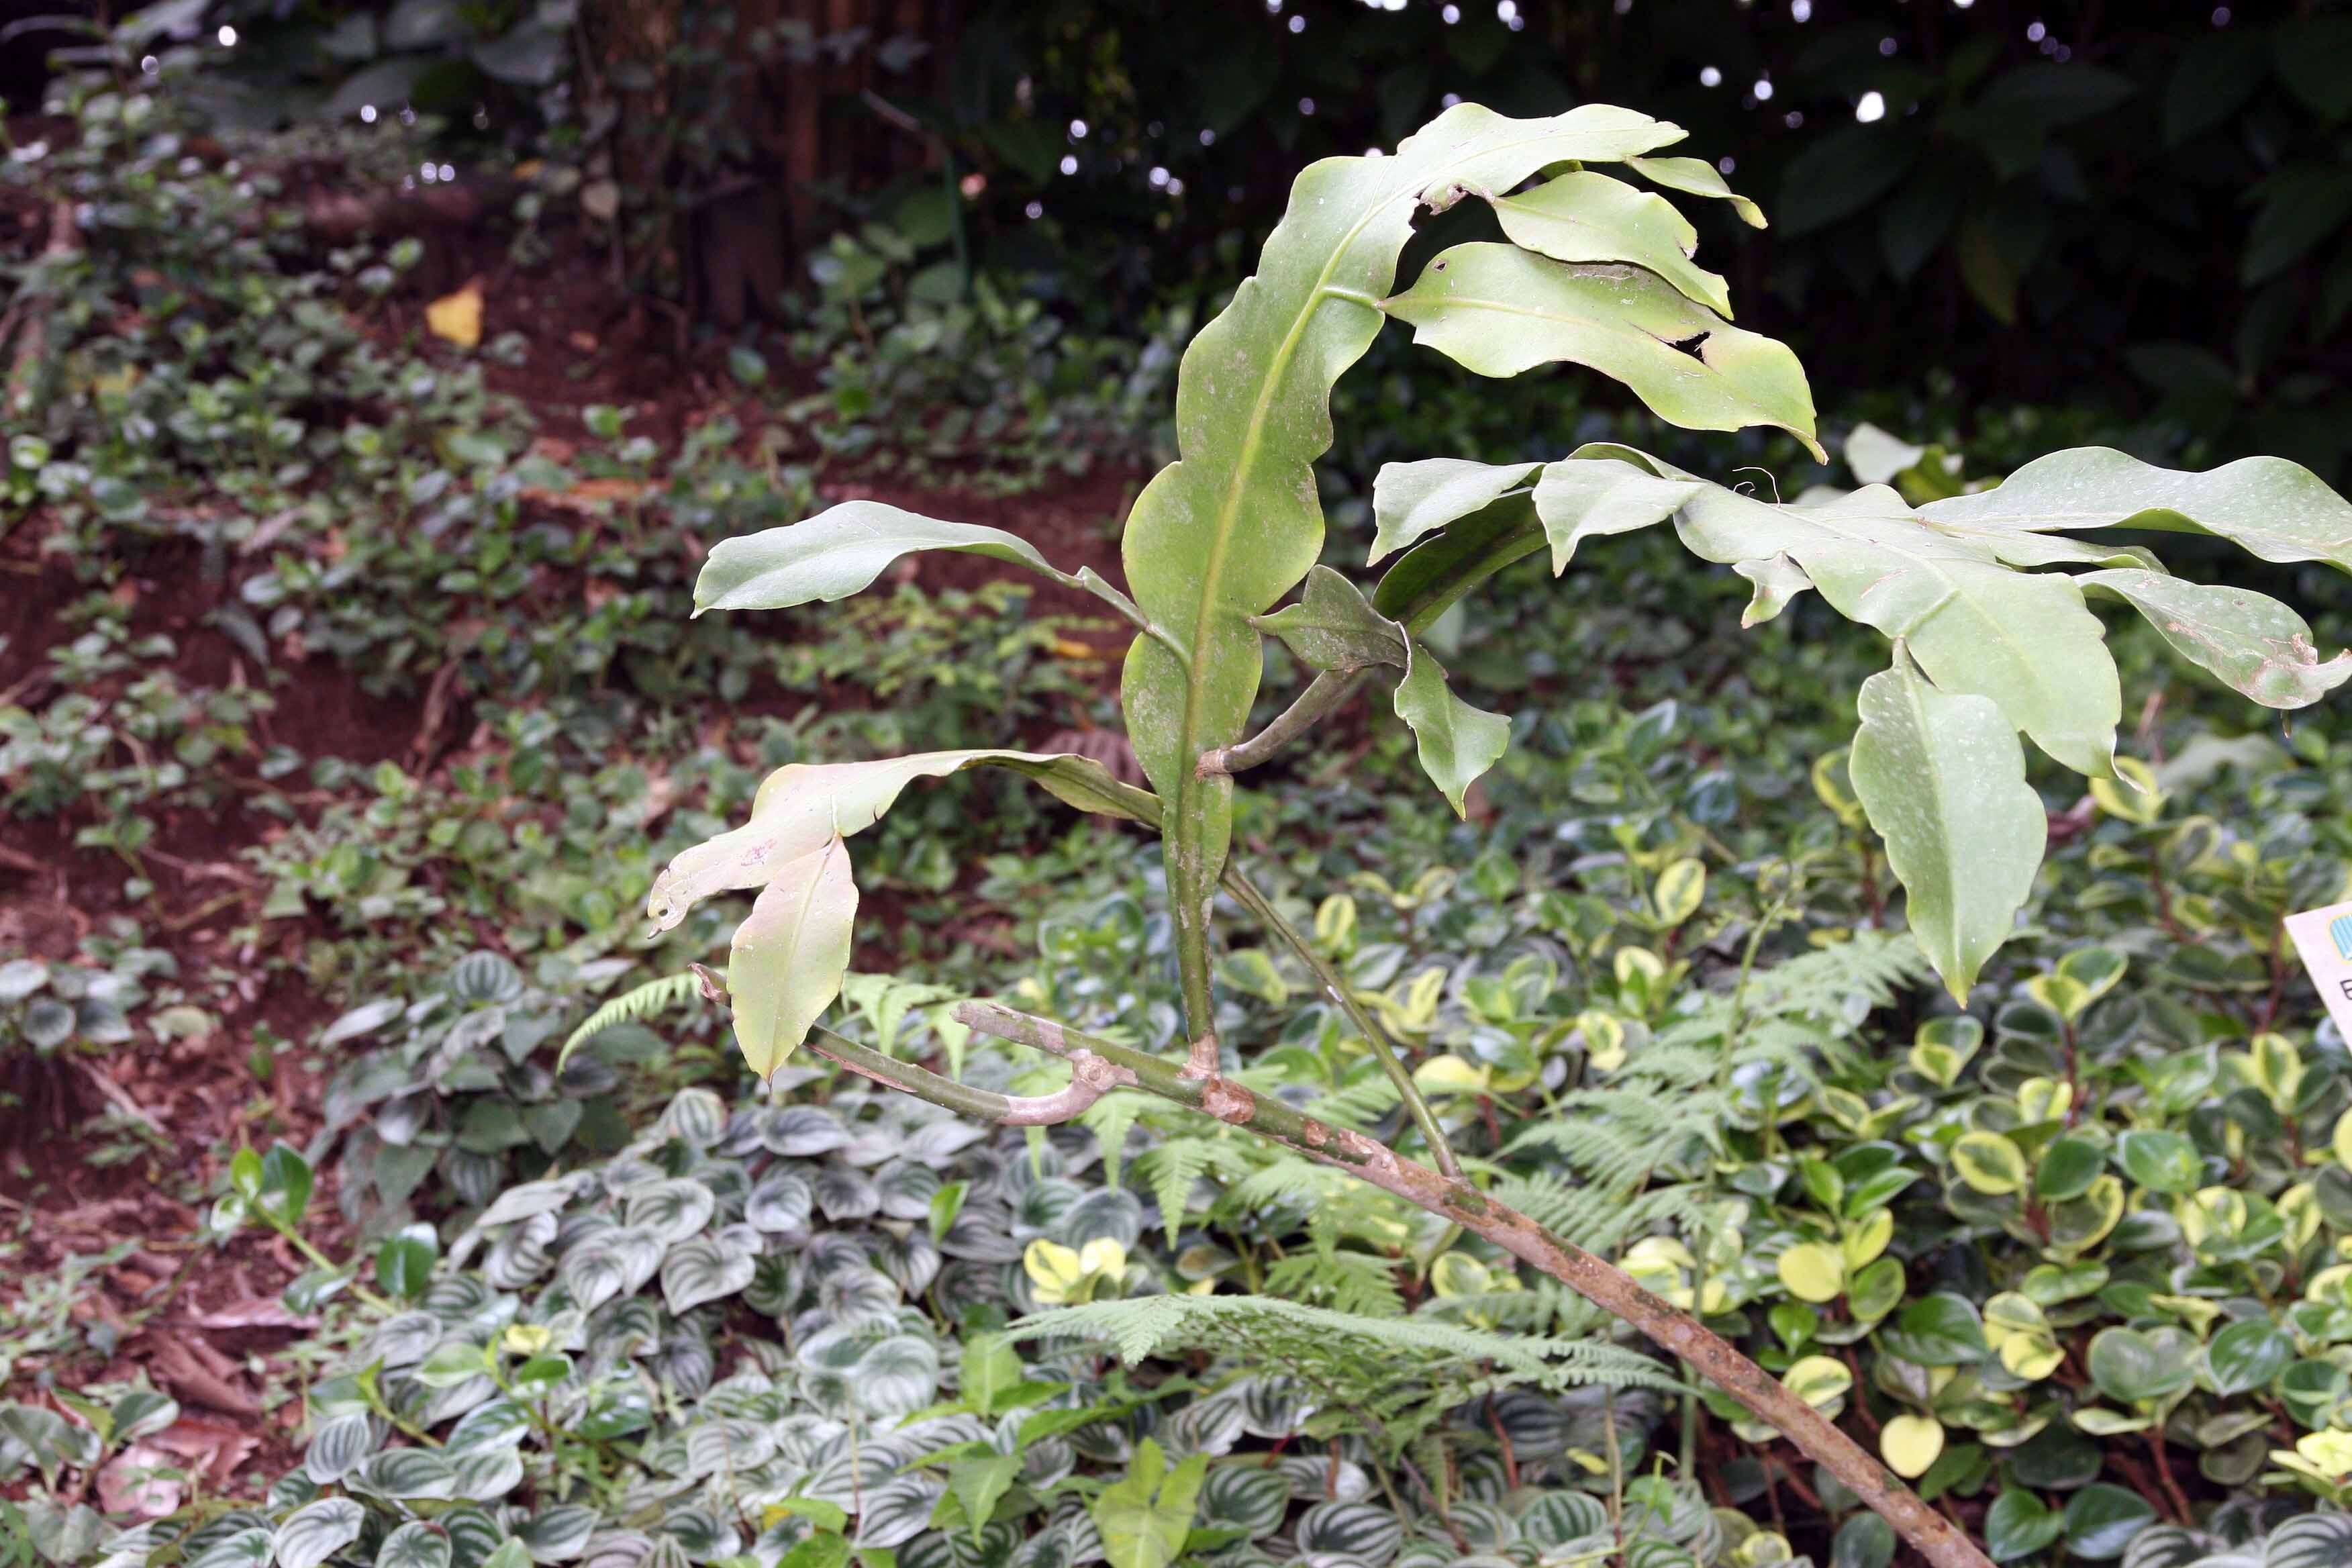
x=457, y=318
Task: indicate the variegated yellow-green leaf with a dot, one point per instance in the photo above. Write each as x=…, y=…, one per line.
x=1988, y=1163
x=1450, y=1074
x=1944, y=1046
x=1943, y=779
x=1586, y=217
x=1820, y=1380
x=2272, y=508
x=790, y=953
x=1813, y=1271
x=2019, y=1334
x=2249, y=641
x=2131, y=794
x=1866, y=1238
x=1910, y=1442
x=1680, y=888
x=1456, y=741
x=1500, y=311
x=1605, y=1041
x=1459, y=1274
x=1221, y=534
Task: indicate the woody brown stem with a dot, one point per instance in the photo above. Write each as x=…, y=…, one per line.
x=1938, y=1540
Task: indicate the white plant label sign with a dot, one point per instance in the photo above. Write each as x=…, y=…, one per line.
x=2324, y=939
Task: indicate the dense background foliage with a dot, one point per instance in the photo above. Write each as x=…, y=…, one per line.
x=349, y=700
x=2142, y=206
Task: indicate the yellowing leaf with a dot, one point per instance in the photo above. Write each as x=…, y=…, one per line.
x=457, y=318
x=789, y=956
x=1459, y=1274
x=1814, y=1271
x=1909, y=1444
x=1054, y=1270
x=2132, y=795
x=1604, y=1044
x=1451, y=1074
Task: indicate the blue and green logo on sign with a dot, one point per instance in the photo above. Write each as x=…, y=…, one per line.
x=2340, y=930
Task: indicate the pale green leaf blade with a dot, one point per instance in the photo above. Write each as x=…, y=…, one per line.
x=2249, y=641
x=2277, y=509
x=1411, y=499
x=1585, y=498
x=1876, y=456
x=839, y=552
x=1333, y=627
x=1223, y=533
x=1778, y=580
x=1431, y=577
x=2024, y=639
x=1696, y=177
x=1588, y=216
x=1943, y=780
x=979, y=1484
x=2012, y=548
x=1456, y=741
x=1500, y=311
x=788, y=958
x=801, y=806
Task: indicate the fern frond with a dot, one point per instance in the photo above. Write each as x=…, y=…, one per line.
x=642, y=1002
x=1357, y=1105
x=1389, y=1351
x=1346, y=1281
x=1110, y=1119
x=1174, y=1167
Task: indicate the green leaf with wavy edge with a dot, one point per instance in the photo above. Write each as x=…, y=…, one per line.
x=1456, y=743
x=1413, y=499
x=1778, y=580
x=1943, y=780
x=2249, y=641
x=1973, y=623
x=1223, y=532
x=2277, y=509
x=785, y=965
x=1434, y=575
x=1576, y=502
x=842, y=549
x=1696, y=177
x=1333, y=627
x=1500, y=311
x=1587, y=216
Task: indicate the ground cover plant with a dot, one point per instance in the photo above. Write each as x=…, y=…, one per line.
x=1982, y=648
x=415, y=1211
